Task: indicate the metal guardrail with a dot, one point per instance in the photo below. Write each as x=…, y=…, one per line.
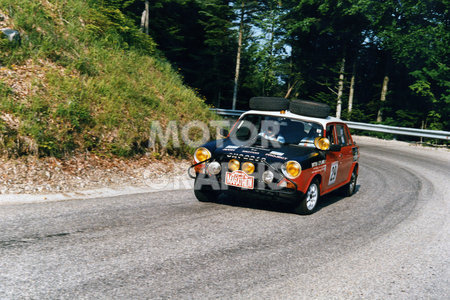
x=227, y=112
x=434, y=134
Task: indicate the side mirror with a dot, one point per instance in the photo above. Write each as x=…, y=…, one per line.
x=335, y=148
x=223, y=132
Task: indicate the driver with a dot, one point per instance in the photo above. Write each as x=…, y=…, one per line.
x=269, y=134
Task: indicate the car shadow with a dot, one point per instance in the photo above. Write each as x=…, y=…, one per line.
x=253, y=203
x=274, y=206
x=332, y=198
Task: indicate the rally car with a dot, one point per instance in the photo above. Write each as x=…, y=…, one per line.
x=289, y=151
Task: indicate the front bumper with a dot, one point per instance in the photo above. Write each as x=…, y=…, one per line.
x=261, y=191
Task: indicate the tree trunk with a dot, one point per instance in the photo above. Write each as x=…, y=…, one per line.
x=147, y=16
x=267, y=86
x=290, y=88
x=384, y=90
x=143, y=18
x=238, y=56
x=352, y=92
x=291, y=83
x=340, y=89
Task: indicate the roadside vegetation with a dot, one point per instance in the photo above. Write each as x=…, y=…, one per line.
x=84, y=78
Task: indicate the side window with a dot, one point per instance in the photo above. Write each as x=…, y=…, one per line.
x=349, y=136
x=341, y=135
x=330, y=134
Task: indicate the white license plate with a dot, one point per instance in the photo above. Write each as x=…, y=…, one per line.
x=239, y=179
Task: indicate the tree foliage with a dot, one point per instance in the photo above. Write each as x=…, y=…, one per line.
x=296, y=48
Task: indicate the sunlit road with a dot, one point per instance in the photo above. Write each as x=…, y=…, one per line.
x=389, y=240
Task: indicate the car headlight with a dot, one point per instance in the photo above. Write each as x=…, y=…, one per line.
x=214, y=168
x=268, y=176
x=322, y=143
x=248, y=168
x=233, y=165
x=201, y=154
x=291, y=169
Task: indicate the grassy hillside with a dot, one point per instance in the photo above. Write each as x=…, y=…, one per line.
x=84, y=79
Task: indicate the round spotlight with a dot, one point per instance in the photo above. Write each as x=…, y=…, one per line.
x=233, y=165
x=322, y=143
x=214, y=168
x=248, y=168
x=291, y=169
x=201, y=154
x=268, y=176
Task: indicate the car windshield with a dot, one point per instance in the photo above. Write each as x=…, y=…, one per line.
x=257, y=128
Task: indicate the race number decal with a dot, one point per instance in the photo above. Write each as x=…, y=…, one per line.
x=333, y=172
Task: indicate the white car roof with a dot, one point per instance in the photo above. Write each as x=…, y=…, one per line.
x=288, y=114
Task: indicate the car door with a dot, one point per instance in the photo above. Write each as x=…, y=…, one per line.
x=345, y=156
x=332, y=160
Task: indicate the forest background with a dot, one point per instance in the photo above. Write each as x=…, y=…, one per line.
x=91, y=76
x=382, y=61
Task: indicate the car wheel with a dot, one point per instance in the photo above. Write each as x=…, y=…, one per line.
x=350, y=188
x=269, y=103
x=309, y=108
x=309, y=201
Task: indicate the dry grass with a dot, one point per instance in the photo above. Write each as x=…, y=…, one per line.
x=29, y=174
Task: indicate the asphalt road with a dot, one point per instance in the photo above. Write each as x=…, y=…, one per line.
x=389, y=240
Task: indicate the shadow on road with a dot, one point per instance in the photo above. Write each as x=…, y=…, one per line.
x=333, y=197
x=255, y=203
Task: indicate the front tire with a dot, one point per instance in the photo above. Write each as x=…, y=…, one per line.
x=308, y=204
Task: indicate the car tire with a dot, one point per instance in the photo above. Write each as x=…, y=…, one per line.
x=350, y=188
x=269, y=103
x=309, y=108
x=308, y=204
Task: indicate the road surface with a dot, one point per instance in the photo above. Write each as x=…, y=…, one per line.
x=389, y=240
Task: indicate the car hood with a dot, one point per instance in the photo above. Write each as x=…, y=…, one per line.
x=270, y=154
